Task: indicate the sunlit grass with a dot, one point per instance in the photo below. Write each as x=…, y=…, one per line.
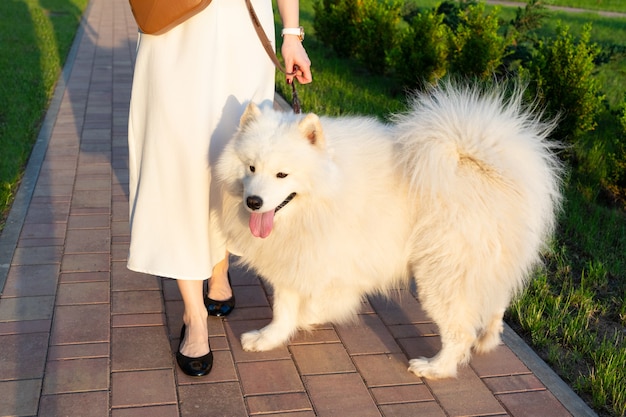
x=34, y=41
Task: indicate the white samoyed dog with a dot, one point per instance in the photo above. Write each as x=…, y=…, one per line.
x=459, y=193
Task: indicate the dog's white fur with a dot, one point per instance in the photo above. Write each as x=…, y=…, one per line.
x=460, y=192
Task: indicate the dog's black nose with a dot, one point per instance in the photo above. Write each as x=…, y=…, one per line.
x=254, y=202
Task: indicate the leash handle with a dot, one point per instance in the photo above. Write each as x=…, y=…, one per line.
x=295, y=100
x=267, y=45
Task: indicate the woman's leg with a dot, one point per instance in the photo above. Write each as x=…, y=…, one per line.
x=219, y=287
x=196, y=342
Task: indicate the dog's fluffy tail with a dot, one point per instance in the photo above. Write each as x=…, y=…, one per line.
x=457, y=141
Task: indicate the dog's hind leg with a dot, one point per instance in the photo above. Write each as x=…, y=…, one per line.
x=490, y=337
x=287, y=304
x=456, y=342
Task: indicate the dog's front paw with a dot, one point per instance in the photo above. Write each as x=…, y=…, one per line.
x=431, y=369
x=258, y=341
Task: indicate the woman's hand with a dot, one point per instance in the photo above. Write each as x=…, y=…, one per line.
x=294, y=55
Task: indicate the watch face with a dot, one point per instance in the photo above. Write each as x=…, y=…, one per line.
x=301, y=33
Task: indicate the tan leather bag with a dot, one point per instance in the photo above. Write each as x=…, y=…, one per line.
x=155, y=17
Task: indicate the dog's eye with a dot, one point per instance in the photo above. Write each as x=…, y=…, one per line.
x=252, y=168
x=281, y=175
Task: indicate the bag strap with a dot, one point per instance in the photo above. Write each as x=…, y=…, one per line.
x=264, y=39
x=270, y=52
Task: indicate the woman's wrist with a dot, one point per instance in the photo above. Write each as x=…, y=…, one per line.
x=293, y=31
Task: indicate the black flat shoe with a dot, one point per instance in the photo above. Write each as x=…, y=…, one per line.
x=193, y=366
x=220, y=308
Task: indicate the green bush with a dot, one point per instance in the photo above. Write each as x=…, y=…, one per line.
x=623, y=118
x=335, y=25
x=530, y=17
x=422, y=53
x=362, y=29
x=616, y=182
x=378, y=33
x=563, y=76
x=477, y=47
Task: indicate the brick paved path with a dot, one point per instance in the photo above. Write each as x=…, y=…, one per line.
x=81, y=336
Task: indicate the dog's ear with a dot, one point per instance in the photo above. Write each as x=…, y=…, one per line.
x=311, y=129
x=251, y=112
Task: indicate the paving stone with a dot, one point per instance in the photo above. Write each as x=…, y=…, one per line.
x=24, y=327
x=43, y=230
x=87, y=350
x=53, y=190
x=142, y=388
x=138, y=320
x=84, y=277
x=500, y=361
x=251, y=313
x=170, y=290
x=531, y=404
x=250, y=296
x=83, y=404
x=404, y=331
x=385, y=369
x=465, y=395
x=88, y=241
x=89, y=199
x=83, y=293
x=81, y=324
x=37, y=255
x=218, y=343
x=367, y=336
x=123, y=279
x=202, y=400
x=241, y=276
x=400, y=308
x=119, y=250
x=95, y=221
x=31, y=280
x=416, y=347
x=340, y=395
x=77, y=375
x=121, y=229
x=138, y=348
x=154, y=411
x=322, y=359
x=37, y=243
x=267, y=377
x=26, y=308
x=278, y=403
x=23, y=356
x=119, y=212
x=93, y=183
x=47, y=213
x=514, y=383
x=19, y=398
x=90, y=262
x=401, y=394
x=422, y=409
x=135, y=302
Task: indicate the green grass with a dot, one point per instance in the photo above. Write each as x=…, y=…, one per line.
x=574, y=312
x=35, y=37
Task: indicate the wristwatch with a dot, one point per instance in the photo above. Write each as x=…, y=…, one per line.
x=299, y=32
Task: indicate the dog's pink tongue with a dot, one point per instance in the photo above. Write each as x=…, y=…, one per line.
x=261, y=223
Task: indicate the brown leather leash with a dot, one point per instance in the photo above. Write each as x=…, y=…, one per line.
x=270, y=52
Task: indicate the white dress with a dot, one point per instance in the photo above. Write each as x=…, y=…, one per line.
x=190, y=88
